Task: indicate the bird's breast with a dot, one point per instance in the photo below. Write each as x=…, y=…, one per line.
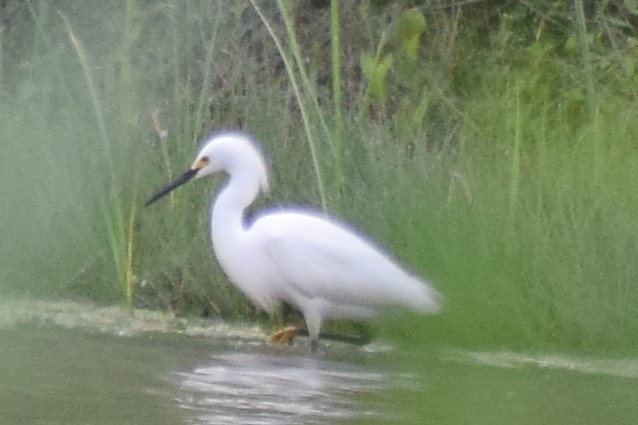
x=250, y=271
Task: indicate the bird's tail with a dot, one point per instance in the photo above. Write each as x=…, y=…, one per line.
x=425, y=298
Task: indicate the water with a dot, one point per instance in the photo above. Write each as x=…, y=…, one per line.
x=259, y=388
x=75, y=364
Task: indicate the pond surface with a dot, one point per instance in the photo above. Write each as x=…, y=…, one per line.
x=66, y=365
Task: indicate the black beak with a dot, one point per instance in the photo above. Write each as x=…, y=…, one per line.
x=184, y=178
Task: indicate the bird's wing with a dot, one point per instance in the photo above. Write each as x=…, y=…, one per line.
x=323, y=259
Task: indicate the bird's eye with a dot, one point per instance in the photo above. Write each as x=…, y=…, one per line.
x=204, y=160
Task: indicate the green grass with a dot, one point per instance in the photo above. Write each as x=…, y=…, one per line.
x=541, y=254
x=498, y=172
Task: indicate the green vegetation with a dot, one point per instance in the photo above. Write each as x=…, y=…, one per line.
x=492, y=146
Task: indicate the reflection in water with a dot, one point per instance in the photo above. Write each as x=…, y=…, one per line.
x=254, y=388
x=78, y=369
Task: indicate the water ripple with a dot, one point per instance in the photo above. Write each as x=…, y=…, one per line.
x=258, y=388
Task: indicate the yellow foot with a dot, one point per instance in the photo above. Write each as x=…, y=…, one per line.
x=284, y=336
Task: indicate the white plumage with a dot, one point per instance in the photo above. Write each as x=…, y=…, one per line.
x=324, y=268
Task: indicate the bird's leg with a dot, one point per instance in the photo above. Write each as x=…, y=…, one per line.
x=288, y=333
x=313, y=323
x=284, y=336
x=314, y=344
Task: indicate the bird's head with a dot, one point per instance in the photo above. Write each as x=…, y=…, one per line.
x=229, y=152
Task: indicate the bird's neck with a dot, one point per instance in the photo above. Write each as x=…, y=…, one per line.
x=227, y=213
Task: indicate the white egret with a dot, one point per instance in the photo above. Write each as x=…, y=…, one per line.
x=324, y=268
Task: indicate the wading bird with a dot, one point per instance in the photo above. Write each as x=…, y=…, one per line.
x=321, y=266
